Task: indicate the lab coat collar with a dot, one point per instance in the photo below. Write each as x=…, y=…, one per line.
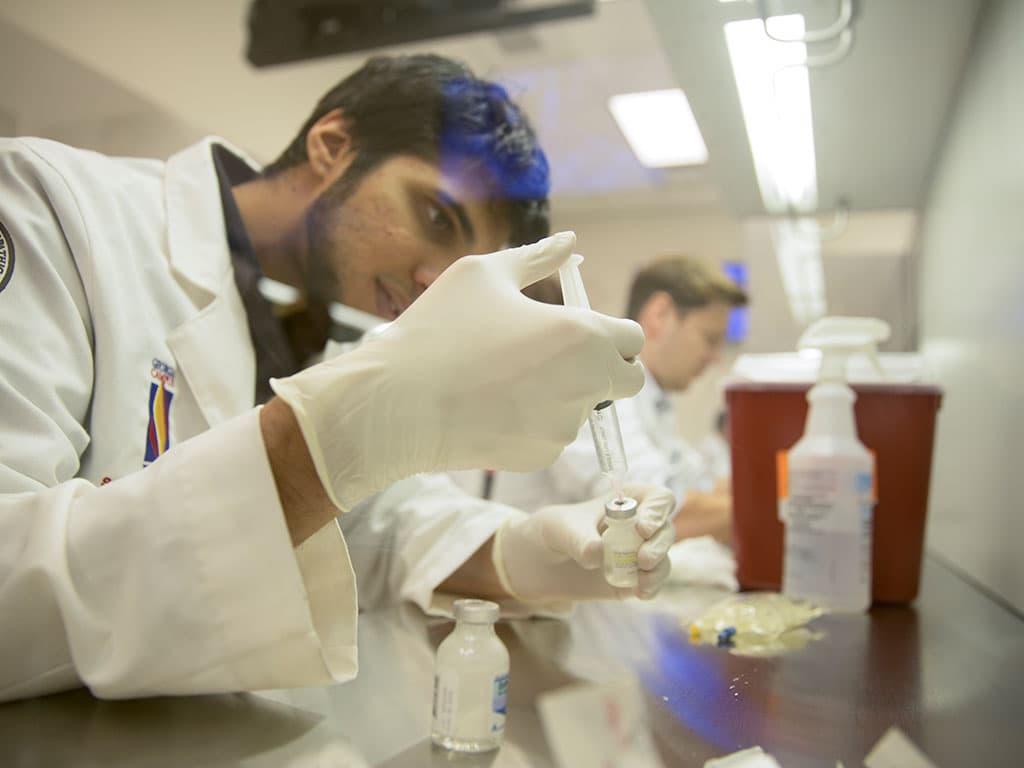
x=196, y=235
x=221, y=371
x=652, y=395
x=656, y=412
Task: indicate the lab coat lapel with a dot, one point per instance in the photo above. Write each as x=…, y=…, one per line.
x=215, y=355
x=212, y=349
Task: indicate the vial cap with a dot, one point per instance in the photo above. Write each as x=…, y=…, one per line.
x=476, y=611
x=621, y=509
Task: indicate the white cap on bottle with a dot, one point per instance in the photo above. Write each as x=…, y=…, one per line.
x=476, y=611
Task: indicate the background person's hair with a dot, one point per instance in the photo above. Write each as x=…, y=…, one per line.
x=436, y=109
x=691, y=284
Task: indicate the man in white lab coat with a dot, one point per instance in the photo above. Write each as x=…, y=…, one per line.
x=683, y=307
x=159, y=533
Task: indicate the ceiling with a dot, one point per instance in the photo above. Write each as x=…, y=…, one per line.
x=146, y=77
x=878, y=114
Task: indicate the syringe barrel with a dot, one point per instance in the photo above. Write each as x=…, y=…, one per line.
x=604, y=426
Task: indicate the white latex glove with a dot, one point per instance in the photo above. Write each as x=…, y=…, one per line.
x=472, y=375
x=556, y=554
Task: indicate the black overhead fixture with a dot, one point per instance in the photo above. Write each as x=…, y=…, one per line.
x=281, y=31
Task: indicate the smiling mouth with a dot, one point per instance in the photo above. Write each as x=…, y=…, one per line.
x=389, y=304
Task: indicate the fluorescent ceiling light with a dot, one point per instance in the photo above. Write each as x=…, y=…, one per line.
x=798, y=250
x=775, y=97
x=776, y=101
x=659, y=127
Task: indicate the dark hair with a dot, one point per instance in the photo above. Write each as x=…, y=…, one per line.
x=690, y=283
x=436, y=109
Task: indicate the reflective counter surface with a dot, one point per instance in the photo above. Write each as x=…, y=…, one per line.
x=948, y=670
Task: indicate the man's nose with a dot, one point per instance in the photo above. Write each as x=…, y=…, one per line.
x=428, y=270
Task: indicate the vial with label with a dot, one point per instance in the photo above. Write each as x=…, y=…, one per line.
x=471, y=681
x=621, y=542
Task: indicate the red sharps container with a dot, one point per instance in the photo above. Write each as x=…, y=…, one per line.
x=896, y=417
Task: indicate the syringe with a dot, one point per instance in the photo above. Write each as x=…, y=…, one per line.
x=604, y=421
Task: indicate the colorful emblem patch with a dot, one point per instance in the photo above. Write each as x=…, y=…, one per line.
x=158, y=435
x=6, y=257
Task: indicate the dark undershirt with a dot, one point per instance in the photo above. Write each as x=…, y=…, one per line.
x=270, y=339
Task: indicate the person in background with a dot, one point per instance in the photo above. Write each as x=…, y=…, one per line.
x=683, y=307
x=161, y=531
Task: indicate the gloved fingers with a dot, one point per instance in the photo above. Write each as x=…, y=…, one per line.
x=625, y=372
x=626, y=335
x=529, y=263
x=626, y=379
x=649, y=582
x=572, y=530
x=591, y=554
x=655, y=549
x=656, y=505
x=566, y=425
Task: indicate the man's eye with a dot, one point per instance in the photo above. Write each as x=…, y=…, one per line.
x=439, y=218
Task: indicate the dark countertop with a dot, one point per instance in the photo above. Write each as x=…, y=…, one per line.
x=948, y=670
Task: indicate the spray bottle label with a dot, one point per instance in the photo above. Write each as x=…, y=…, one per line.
x=832, y=494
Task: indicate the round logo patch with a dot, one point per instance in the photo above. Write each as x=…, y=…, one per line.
x=6, y=256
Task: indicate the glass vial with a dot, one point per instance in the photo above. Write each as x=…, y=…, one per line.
x=621, y=542
x=471, y=681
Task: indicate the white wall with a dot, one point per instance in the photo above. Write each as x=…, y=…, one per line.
x=47, y=93
x=865, y=274
x=972, y=313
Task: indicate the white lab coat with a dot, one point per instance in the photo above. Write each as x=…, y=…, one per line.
x=408, y=539
x=180, y=577
x=655, y=455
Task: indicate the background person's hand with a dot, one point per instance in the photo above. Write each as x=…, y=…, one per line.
x=556, y=554
x=473, y=374
x=705, y=514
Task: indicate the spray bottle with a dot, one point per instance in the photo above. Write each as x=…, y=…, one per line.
x=828, y=510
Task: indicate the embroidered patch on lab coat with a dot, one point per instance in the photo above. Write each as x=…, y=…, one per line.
x=158, y=435
x=6, y=256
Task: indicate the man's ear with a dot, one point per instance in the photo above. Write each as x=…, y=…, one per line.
x=329, y=147
x=655, y=314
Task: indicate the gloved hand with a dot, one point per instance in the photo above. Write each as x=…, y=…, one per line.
x=473, y=374
x=556, y=554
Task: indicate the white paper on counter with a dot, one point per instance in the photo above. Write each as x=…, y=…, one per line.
x=335, y=754
x=895, y=750
x=752, y=757
x=603, y=725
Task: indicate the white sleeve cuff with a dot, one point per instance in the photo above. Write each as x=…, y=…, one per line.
x=270, y=616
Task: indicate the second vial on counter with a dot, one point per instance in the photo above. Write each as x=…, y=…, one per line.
x=471, y=681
